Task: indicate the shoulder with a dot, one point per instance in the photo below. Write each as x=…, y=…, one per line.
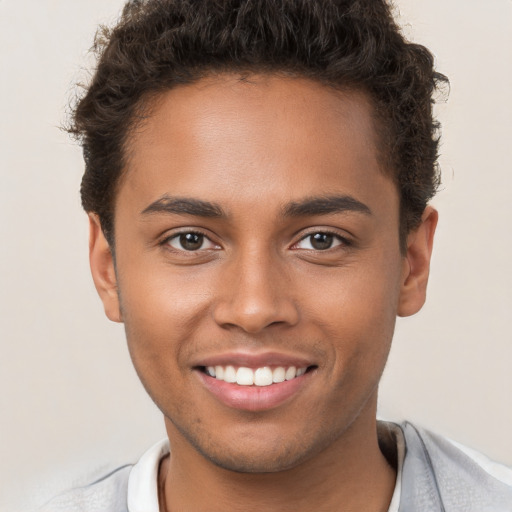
x=108, y=494
x=439, y=474
x=129, y=488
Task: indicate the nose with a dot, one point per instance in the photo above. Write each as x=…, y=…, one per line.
x=255, y=294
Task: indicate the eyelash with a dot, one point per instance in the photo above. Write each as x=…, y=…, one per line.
x=342, y=241
x=167, y=241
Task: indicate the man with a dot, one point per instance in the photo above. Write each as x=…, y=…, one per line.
x=257, y=182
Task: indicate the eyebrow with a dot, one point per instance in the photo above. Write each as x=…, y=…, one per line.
x=309, y=206
x=187, y=206
x=325, y=206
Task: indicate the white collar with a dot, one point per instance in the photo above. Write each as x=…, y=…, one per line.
x=143, y=479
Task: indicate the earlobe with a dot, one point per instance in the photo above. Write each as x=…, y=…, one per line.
x=416, y=265
x=103, y=270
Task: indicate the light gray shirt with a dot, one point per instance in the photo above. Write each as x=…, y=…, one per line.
x=433, y=475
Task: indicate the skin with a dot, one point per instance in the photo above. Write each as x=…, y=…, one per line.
x=254, y=148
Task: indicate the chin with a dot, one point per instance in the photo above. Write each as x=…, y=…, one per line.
x=260, y=463
x=260, y=452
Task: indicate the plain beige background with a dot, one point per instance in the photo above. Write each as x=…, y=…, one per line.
x=71, y=405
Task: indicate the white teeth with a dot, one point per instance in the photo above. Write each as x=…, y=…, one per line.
x=230, y=374
x=263, y=376
x=290, y=373
x=219, y=372
x=278, y=375
x=244, y=376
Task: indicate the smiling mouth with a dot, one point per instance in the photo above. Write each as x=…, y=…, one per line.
x=263, y=376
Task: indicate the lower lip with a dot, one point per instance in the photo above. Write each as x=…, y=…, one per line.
x=253, y=398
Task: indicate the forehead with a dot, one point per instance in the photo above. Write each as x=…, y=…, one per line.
x=265, y=137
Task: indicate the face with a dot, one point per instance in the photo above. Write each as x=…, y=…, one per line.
x=257, y=242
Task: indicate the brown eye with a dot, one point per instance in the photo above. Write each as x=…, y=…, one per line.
x=319, y=241
x=190, y=241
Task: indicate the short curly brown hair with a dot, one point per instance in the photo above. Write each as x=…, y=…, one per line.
x=160, y=44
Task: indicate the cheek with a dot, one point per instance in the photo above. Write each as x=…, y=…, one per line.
x=162, y=312
x=356, y=310
x=356, y=296
x=160, y=295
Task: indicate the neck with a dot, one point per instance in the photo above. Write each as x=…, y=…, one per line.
x=351, y=474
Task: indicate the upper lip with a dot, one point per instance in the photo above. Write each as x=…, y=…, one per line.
x=254, y=360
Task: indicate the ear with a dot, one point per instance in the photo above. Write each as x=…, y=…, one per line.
x=102, y=269
x=416, y=266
